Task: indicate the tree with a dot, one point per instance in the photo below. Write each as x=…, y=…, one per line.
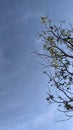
x=57, y=60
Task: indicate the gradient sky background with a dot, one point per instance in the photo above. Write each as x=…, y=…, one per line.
x=23, y=88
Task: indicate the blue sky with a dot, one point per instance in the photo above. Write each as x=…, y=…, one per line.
x=23, y=88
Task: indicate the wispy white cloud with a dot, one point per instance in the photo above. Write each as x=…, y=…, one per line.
x=42, y=118
x=33, y=123
x=37, y=120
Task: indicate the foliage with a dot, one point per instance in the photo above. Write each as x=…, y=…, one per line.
x=57, y=60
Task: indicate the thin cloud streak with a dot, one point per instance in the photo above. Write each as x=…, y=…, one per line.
x=37, y=120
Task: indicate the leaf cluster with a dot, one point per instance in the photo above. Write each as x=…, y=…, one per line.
x=58, y=57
